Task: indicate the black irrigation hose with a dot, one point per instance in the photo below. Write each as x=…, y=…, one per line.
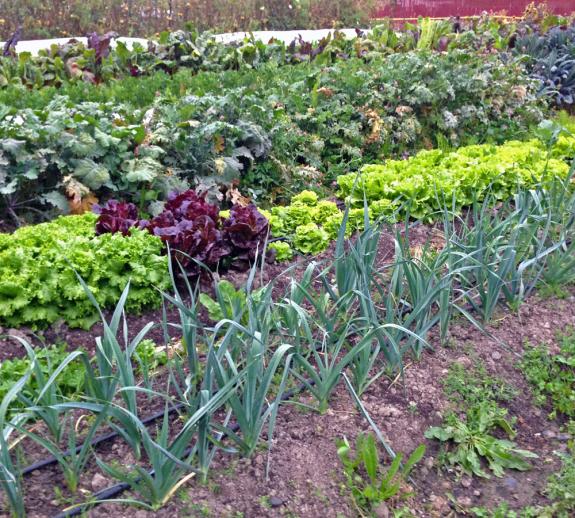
x=113, y=491
x=98, y=440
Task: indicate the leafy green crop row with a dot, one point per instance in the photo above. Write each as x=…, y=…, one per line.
x=432, y=178
x=38, y=285
x=276, y=130
x=74, y=62
x=420, y=186
x=37, y=280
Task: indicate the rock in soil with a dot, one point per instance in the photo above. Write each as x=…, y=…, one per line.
x=381, y=511
x=99, y=482
x=276, y=501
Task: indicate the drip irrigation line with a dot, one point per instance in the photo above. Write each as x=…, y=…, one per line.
x=98, y=440
x=110, y=492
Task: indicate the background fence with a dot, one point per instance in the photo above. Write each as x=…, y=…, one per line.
x=61, y=18
x=446, y=8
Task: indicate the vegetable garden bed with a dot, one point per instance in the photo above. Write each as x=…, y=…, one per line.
x=291, y=280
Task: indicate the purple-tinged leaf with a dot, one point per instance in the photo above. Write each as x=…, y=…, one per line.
x=116, y=216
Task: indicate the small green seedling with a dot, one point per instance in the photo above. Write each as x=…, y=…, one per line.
x=371, y=483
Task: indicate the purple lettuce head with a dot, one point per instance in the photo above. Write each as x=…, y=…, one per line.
x=246, y=229
x=205, y=242
x=193, y=230
x=116, y=216
x=190, y=226
x=188, y=205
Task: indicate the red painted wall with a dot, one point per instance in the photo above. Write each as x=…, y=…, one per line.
x=446, y=8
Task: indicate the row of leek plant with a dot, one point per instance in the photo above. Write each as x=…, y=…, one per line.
x=352, y=315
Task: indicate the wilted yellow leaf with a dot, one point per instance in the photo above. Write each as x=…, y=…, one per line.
x=236, y=197
x=219, y=143
x=80, y=198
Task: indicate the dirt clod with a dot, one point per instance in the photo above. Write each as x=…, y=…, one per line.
x=99, y=482
x=381, y=511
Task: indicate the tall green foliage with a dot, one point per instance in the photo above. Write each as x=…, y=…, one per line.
x=277, y=130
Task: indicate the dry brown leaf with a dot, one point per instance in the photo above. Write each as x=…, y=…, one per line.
x=375, y=123
x=85, y=204
x=80, y=198
x=328, y=92
x=236, y=197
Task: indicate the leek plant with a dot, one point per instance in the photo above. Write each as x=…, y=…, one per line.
x=414, y=299
x=9, y=472
x=239, y=347
x=262, y=356
x=249, y=404
x=353, y=271
x=321, y=372
x=42, y=399
x=557, y=202
x=366, y=367
x=173, y=457
x=41, y=396
x=112, y=371
x=172, y=461
x=185, y=373
x=502, y=254
x=290, y=315
x=353, y=266
x=487, y=244
x=74, y=460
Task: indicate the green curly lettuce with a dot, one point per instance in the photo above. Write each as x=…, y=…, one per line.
x=310, y=239
x=323, y=210
x=282, y=249
x=38, y=265
x=428, y=180
x=308, y=198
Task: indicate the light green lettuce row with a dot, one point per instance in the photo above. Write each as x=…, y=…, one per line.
x=310, y=224
x=430, y=178
x=426, y=181
x=38, y=285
